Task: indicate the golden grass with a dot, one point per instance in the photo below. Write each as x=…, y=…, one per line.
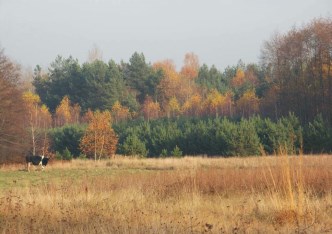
x=189, y=195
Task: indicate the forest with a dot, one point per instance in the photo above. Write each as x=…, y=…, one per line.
x=96, y=109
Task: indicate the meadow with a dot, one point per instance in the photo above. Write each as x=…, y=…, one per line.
x=272, y=194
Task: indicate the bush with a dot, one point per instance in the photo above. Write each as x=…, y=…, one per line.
x=67, y=137
x=58, y=156
x=318, y=136
x=133, y=146
x=164, y=153
x=65, y=155
x=176, y=152
x=83, y=156
x=211, y=136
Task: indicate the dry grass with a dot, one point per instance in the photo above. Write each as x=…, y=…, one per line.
x=189, y=195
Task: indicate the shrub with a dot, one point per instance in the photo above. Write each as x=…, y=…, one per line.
x=164, y=153
x=67, y=137
x=176, y=152
x=133, y=146
x=318, y=136
x=64, y=155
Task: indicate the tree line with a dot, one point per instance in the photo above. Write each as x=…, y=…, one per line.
x=293, y=76
x=209, y=136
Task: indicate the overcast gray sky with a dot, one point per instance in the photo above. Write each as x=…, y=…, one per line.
x=220, y=32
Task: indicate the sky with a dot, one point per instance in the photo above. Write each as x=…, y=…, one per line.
x=220, y=32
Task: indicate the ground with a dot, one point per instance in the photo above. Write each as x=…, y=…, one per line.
x=276, y=194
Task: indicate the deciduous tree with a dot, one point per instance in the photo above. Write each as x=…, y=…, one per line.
x=32, y=101
x=150, y=109
x=239, y=78
x=62, y=112
x=193, y=106
x=39, y=121
x=170, y=83
x=120, y=112
x=191, y=66
x=66, y=113
x=218, y=104
x=137, y=74
x=173, y=107
x=13, y=134
x=99, y=139
x=248, y=104
x=299, y=63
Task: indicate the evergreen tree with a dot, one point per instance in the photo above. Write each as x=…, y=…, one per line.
x=133, y=146
x=137, y=74
x=318, y=136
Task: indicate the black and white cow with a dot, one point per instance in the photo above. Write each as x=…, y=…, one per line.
x=36, y=160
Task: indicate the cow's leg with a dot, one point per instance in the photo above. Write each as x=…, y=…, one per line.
x=28, y=166
x=40, y=164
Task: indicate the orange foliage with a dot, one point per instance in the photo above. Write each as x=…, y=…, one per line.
x=99, y=139
x=168, y=67
x=188, y=73
x=174, y=84
x=327, y=71
x=193, y=106
x=191, y=66
x=75, y=113
x=251, y=78
x=218, y=104
x=39, y=119
x=45, y=116
x=173, y=107
x=213, y=103
x=62, y=112
x=31, y=99
x=151, y=109
x=169, y=85
x=228, y=107
x=120, y=112
x=239, y=79
x=248, y=104
x=66, y=113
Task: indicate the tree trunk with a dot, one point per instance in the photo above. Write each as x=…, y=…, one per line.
x=95, y=146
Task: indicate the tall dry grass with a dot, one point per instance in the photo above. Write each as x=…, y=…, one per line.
x=189, y=195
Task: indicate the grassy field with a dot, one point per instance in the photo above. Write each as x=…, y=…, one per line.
x=189, y=195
